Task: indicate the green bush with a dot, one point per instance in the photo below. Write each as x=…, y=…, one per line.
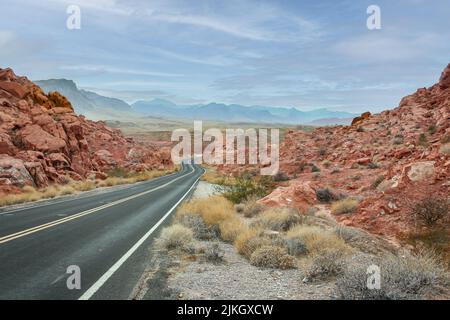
x=246, y=187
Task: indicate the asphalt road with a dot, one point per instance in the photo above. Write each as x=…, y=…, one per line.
x=107, y=235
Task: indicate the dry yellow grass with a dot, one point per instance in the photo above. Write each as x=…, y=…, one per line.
x=250, y=208
x=133, y=177
x=30, y=194
x=175, y=237
x=249, y=240
x=231, y=228
x=279, y=219
x=318, y=240
x=344, y=206
x=214, y=177
x=213, y=209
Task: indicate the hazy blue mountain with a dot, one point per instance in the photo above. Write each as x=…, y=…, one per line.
x=83, y=101
x=237, y=113
x=97, y=107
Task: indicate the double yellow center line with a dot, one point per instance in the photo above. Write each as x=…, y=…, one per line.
x=83, y=213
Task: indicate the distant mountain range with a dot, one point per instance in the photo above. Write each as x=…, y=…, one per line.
x=100, y=107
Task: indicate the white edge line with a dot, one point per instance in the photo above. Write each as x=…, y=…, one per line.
x=100, y=282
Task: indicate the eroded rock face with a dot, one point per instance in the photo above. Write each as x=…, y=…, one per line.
x=444, y=81
x=42, y=140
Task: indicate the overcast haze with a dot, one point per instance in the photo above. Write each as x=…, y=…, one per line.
x=306, y=54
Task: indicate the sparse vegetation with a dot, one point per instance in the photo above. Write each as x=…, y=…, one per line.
x=272, y=257
x=377, y=182
x=373, y=165
x=198, y=226
x=326, y=265
x=213, y=210
x=213, y=253
x=248, y=241
x=445, y=139
x=325, y=195
x=432, y=129
x=279, y=219
x=250, y=208
x=402, y=277
x=422, y=141
x=175, y=237
x=317, y=240
x=245, y=187
x=398, y=139
x=280, y=176
x=31, y=194
x=231, y=228
x=431, y=210
x=343, y=206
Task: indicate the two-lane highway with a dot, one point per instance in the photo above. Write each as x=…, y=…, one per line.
x=106, y=234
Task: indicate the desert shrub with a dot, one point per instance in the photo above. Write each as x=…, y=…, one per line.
x=373, y=165
x=325, y=195
x=445, y=139
x=322, y=151
x=213, y=209
x=326, y=265
x=314, y=168
x=360, y=129
x=422, y=141
x=175, y=237
x=402, y=277
x=344, y=206
x=198, y=226
x=398, y=139
x=239, y=208
x=432, y=129
x=118, y=172
x=317, y=240
x=84, y=185
x=213, y=253
x=296, y=247
x=431, y=210
x=377, y=182
x=248, y=241
x=280, y=176
x=245, y=186
x=251, y=208
x=445, y=149
x=346, y=233
x=272, y=257
x=326, y=164
x=231, y=228
x=279, y=219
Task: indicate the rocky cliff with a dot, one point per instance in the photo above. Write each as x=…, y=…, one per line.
x=43, y=141
x=388, y=161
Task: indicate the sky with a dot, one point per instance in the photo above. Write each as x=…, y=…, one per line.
x=287, y=53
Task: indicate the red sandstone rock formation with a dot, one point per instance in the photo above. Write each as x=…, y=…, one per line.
x=43, y=141
x=389, y=160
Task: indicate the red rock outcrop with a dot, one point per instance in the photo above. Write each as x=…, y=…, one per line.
x=43, y=141
x=389, y=160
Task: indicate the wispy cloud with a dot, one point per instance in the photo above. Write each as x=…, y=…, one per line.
x=108, y=69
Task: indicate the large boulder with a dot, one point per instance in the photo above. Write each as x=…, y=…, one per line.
x=14, y=172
